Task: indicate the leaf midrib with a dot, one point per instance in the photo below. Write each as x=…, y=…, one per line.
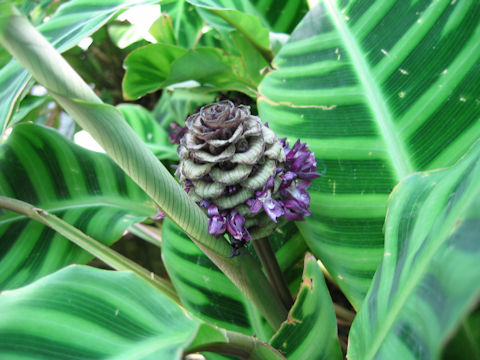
x=381, y=114
x=422, y=269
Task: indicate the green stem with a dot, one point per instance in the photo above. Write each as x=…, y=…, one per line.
x=241, y=346
x=270, y=264
x=51, y=70
x=89, y=244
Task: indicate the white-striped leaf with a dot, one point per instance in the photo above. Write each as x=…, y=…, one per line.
x=84, y=188
x=379, y=89
x=72, y=22
x=428, y=278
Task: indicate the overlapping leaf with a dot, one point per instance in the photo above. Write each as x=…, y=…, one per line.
x=82, y=312
x=204, y=289
x=379, y=90
x=210, y=294
x=186, y=22
x=85, y=188
x=176, y=105
x=156, y=66
x=72, y=22
x=145, y=125
x=428, y=278
x=227, y=17
x=310, y=331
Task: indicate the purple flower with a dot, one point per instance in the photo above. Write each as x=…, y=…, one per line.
x=300, y=160
x=264, y=199
x=177, y=133
x=160, y=215
x=294, y=211
x=236, y=226
x=217, y=223
x=298, y=192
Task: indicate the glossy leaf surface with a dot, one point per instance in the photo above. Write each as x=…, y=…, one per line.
x=204, y=289
x=72, y=22
x=86, y=313
x=428, y=279
x=186, y=23
x=311, y=329
x=156, y=66
x=378, y=89
x=209, y=294
x=226, y=17
x=84, y=188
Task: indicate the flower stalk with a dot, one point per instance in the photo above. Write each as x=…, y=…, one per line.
x=274, y=273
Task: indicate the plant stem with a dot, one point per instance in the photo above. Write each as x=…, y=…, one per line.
x=270, y=264
x=343, y=313
x=89, y=244
x=241, y=346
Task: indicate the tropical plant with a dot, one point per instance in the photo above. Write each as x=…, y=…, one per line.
x=385, y=93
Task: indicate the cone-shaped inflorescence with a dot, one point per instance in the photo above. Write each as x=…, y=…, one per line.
x=244, y=176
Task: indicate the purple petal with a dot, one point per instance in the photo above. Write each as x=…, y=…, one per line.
x=235, y=225
x=177, y=134
x=295, y=211
x=270, y=183
x=255, y=205
x=204, y=203
x=160, y=215
x=212, y=210
x=217, y=225
x=273, y=209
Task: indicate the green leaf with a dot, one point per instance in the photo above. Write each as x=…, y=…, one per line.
x=248, y=25
x=156, y=66
x=466, y=342
x=252, y=59
x=310, y=332
x=210, y=295
x=428, y=278
x=72, y=22
x=375, y=102
x=109, y=129
x=85, y=188
x=176, y=105
x=204, y=289
x=82, y=312
x=187, y=24
x=162, y=30
x=280, y=15
x=152, y=134
x=148, y=68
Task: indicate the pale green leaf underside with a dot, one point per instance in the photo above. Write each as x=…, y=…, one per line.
x=378, y=90
x=86, y=313
x=428, y=278
x=84, y=188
